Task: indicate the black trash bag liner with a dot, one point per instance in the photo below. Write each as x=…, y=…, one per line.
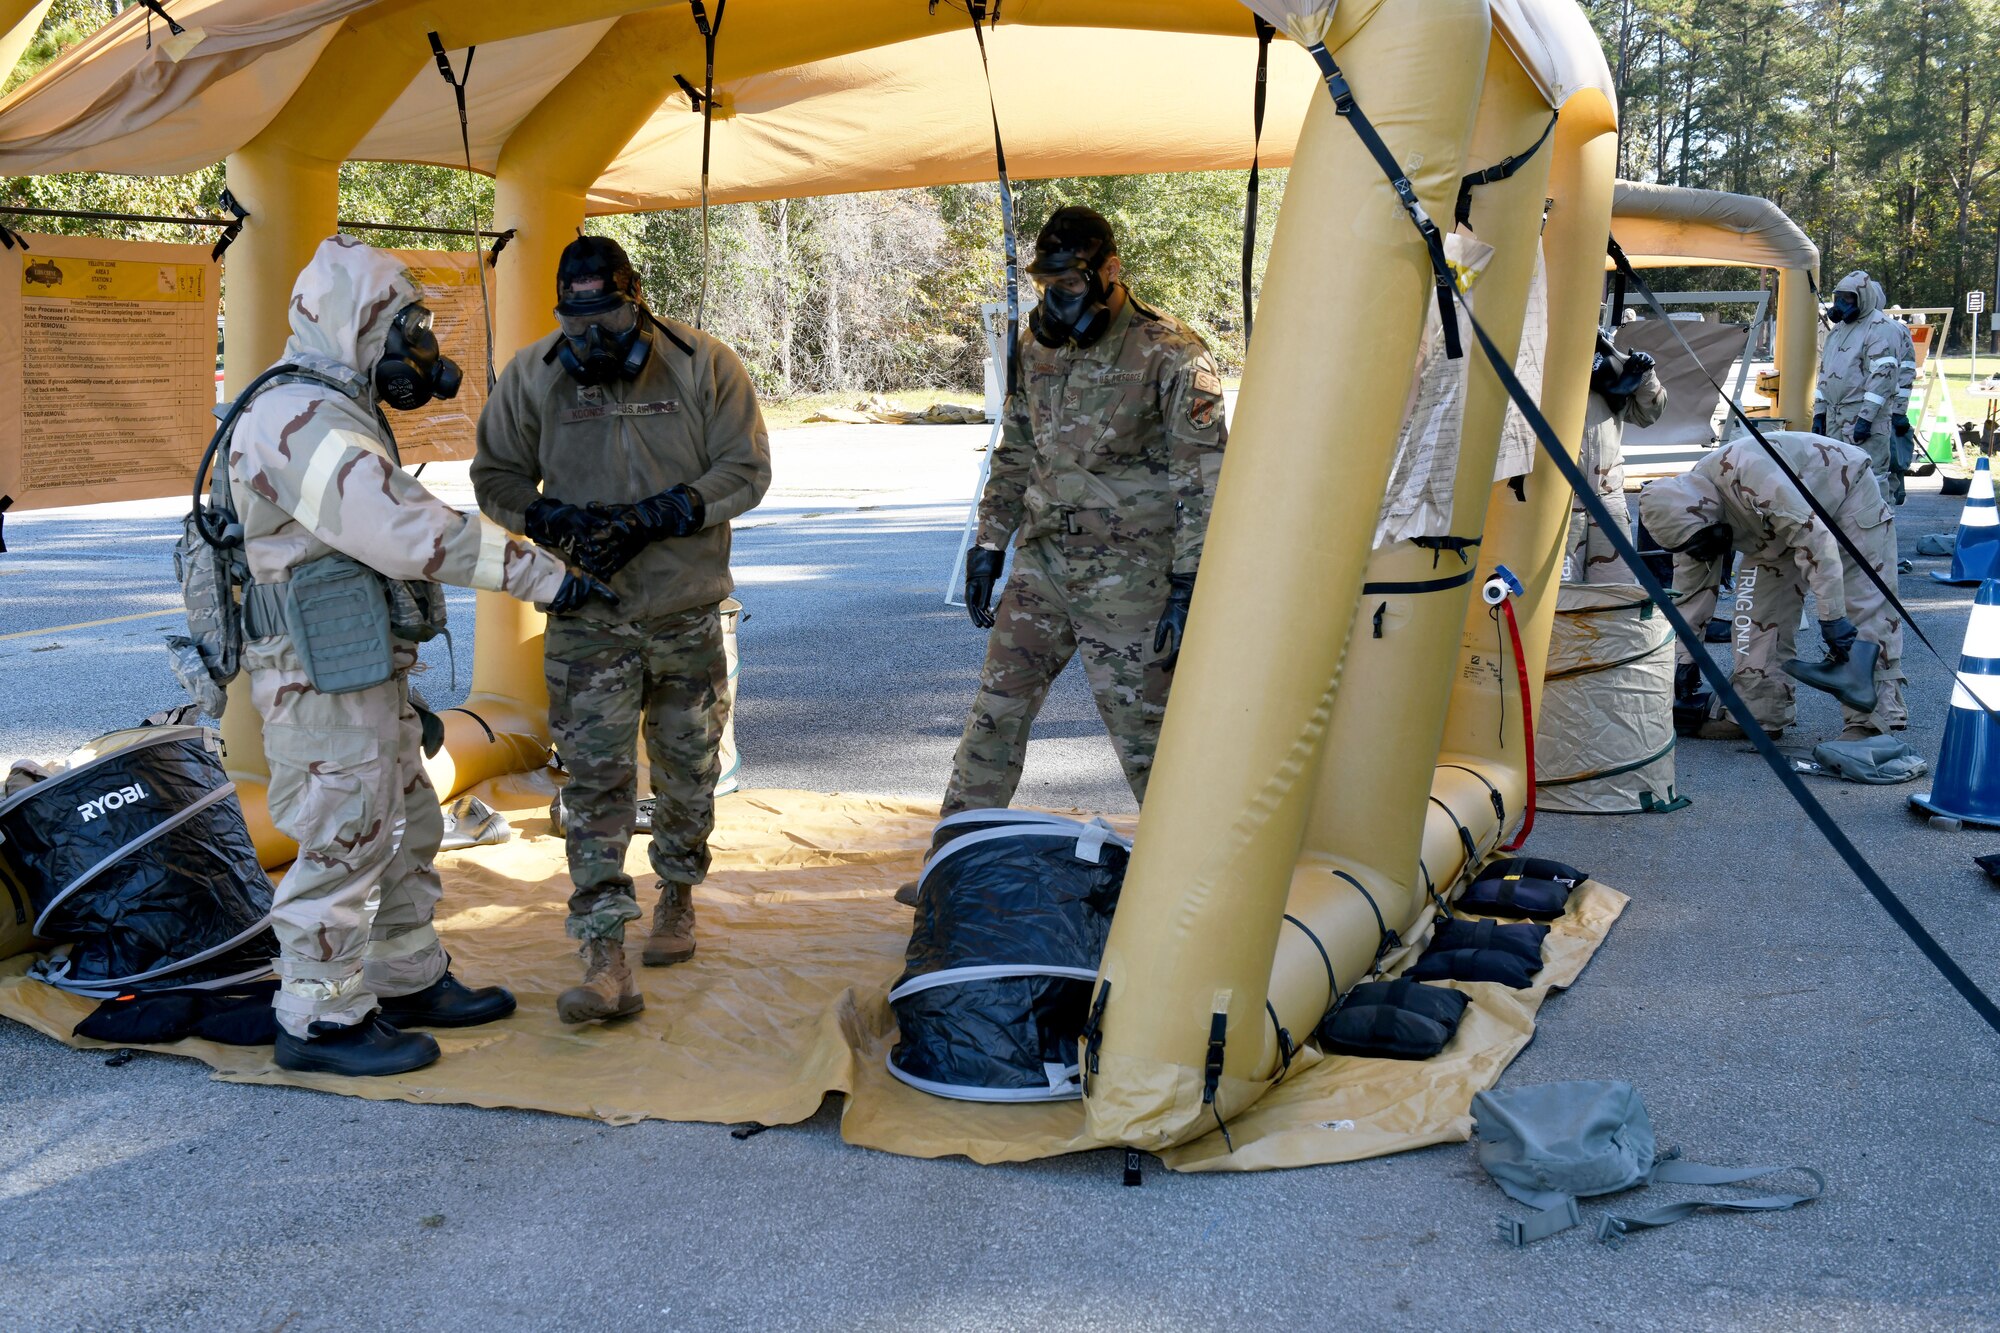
x=139, y=868
x=1393, y=1020
x=237, y=1017
x=1522, y=938
x=1012, y=912
x=1509, y=969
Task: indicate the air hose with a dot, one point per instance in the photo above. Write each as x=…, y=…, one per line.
x=1500, y=591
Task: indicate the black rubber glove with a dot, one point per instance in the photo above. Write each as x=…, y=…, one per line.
x=1819, y=423
x=1687, y=682
x=1900, y=424
x=1839, y=635
x=1862, y=429
x=982, y=572
x=616, y=537
x=672, y=513
x=1173, y=621
x=558, y=526
x=578, y=588
x=1638, y=363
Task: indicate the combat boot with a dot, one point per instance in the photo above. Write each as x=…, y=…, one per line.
x=1852, y=681
x=673, y=927
x=1726, y=728
x=607, y=990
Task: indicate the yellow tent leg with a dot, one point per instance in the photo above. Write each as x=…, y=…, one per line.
x=1288, y=543
x=1376, y=770
x=1483, y=728
x=1797, y=351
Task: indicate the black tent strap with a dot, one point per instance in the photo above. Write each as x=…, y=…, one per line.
x=6, y=503
x=1388, y=938
x=709, y=30
x=1285, y=1047
x=1493, y=792
x=1406, y=193
x=1332, y=984
x=457, y=82
x=1264, y=34
x=1718, y=679
x=1839, y=531
x=1458, y=580
x=1465, y=838
x=1499, y=171
x=1012, y=379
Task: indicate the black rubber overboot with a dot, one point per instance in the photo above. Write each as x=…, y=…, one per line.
x=368, y=1049
x=447, y=1003
x=1852, y=682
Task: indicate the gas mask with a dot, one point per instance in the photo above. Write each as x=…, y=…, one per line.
x=606, y=346
x=1709, y=543
x=1077, y=318
x=1846, y=307
x=414, y=369
x=1615, y=376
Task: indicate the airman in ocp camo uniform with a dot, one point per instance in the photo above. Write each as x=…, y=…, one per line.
x=321, y=492
x=629, y=442
x=1106, y=470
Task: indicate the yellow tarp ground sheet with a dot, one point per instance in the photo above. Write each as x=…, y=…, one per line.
x=786, y=1001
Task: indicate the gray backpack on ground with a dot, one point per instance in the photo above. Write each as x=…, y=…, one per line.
x=1549, y=1143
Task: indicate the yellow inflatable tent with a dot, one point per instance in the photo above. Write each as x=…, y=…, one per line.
x=1345, y=742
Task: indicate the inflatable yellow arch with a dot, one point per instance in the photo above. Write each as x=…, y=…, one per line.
x=1344, y=743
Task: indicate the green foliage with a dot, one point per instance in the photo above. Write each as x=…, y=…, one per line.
x=1871, y=122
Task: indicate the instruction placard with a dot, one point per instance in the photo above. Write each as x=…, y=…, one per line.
x=107, y=368
x=445, y=429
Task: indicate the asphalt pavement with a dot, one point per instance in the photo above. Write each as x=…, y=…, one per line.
x=1765, y=1006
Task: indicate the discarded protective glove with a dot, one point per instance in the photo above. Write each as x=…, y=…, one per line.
x=1862, y=429
x=1839, y=635
x=578, y=588
x=982, y=571
x=678, y=512
x=1819, y=423
x=1173, y=620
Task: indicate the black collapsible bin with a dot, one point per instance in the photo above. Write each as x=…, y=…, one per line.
x=1012, y=913
x=138, y=867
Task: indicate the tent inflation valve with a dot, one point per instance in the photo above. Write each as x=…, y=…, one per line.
x=1134, y=1176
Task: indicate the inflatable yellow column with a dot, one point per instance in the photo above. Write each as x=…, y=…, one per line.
x=1797, y=350
x=1377, y=768
x=1345, y=297
x=1483, y=728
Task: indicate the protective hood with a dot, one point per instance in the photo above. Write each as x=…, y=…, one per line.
x=1867, y=293
x=1675, y=508
x=344, y=301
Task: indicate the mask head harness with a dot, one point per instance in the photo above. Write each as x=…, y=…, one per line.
x=414, y=369
x=1076, y=240
x=604, y=328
